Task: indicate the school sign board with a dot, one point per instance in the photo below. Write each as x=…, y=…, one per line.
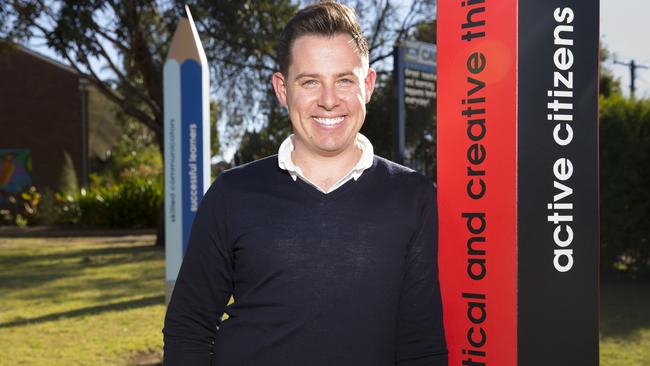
x=414, y=76
x=187, y=140
x=518, y=180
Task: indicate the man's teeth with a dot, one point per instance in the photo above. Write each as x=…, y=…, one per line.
x=329, y=121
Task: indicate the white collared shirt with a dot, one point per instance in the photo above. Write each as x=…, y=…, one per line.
x=365, y=162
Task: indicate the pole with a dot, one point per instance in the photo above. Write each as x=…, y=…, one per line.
x=633, y=66
x=400, y=110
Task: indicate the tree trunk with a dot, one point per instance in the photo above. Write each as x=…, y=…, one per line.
x=160, y=229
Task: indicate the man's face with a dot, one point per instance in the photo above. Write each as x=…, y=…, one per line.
x=325, y=90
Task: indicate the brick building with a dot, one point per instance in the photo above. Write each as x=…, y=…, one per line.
x=45, y=108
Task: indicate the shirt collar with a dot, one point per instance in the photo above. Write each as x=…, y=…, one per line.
x=287, y=146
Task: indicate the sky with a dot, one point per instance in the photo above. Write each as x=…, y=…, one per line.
x=625, y=32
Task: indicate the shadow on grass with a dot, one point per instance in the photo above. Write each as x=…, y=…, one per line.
x=624, y=308
x=92, y=310
x=26, y=259
x=24, y=271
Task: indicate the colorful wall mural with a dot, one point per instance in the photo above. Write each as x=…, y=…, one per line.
x=15, y=172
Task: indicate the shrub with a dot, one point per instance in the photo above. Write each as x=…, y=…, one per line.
x=67, y=209
x=68, y=181
x=134, y=203
x=625, y=185
x=23, y=208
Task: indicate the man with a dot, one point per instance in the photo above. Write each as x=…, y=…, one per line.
x=328, y=250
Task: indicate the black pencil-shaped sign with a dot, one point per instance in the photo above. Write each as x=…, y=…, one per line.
x=518, y=180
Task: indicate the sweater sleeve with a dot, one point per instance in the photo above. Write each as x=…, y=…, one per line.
x=420, y=333
x=203, y=286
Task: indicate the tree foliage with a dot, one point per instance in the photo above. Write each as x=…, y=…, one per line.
x=625, y=184
x=379, y=125
x=120, y=47
x=624, y=178
x=608, y=84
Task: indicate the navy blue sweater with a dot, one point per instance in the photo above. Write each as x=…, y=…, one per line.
x=344, y=278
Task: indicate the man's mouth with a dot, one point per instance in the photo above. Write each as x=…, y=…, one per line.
x=329, y=121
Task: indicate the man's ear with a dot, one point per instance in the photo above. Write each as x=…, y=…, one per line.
x=369, y=83
x=280, y=87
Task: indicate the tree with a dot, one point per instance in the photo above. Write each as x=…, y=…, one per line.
x=120, y=47
x=381, y=113
x=624, y=178
x=608, y=85
x=240, y=42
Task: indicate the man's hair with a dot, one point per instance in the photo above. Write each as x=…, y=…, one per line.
x=327, y=18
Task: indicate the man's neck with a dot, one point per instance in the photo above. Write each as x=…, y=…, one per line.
x=322, y=170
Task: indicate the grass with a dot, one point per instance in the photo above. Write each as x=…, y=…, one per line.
x=98, y=301
x=625, y=324
x=80, y=301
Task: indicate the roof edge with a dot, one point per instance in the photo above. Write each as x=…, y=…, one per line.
x=48, y=59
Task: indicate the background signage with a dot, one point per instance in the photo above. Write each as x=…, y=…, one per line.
x=415, y=77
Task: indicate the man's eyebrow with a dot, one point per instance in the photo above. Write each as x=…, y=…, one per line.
x=316, y=75
x=347, y=73
x=306, y=75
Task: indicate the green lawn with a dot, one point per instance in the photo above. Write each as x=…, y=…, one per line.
x=625, y=324
x=99, y=301
x=80, y=301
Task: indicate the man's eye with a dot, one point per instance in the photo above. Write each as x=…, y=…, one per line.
x=309, y=83
x=345, y=81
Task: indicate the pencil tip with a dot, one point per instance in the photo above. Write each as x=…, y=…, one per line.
x=188, y=13
x=185, y=43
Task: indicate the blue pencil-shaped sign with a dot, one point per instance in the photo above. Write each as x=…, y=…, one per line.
x=187, y=140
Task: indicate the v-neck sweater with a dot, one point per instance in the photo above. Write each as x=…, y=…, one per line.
x=344, y=278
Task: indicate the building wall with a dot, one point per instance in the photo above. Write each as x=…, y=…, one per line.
x=41, y=110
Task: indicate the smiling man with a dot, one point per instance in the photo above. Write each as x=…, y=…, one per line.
x=329, y=251
x=325, y=87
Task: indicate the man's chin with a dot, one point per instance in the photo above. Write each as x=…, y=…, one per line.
x=332, y=149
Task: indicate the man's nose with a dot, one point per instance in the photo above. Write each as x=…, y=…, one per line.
x=328, y=97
